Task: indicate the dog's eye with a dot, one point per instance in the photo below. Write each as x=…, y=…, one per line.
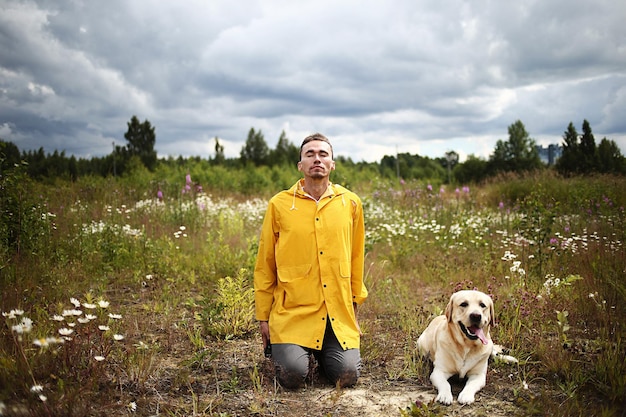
x=482, y=305
x=464, y=304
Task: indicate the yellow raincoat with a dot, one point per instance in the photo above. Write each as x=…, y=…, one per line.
x=309, y=267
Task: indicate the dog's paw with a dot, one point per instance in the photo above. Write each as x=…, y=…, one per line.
x=501, y=353
x=465, y=397
x=444, y=398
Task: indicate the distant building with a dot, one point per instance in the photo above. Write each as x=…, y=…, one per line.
x=549, y=154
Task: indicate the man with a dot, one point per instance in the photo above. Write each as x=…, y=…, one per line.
x=308, y=278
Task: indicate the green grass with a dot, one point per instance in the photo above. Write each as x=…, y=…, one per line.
x=549, y=250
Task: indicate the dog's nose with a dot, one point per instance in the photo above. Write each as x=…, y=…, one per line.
x=475, y=317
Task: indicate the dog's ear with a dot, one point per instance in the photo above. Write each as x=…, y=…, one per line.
x=492, y=314
x=448, y=311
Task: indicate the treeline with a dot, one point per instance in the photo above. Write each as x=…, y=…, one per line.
x=580, y=155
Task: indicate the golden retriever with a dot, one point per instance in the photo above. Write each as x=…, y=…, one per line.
x=458, y=343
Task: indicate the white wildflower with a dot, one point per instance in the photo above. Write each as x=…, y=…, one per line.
x=72, y=312
x=75, y=302
x=508, y=256
x=44, y=342
x=103, y=304
x=24, y=326
x=13, y=313
x=141, y=345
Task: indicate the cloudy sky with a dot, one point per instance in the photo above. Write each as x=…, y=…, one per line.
x=377, y=77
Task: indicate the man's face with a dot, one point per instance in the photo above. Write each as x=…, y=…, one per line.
x=316, y=159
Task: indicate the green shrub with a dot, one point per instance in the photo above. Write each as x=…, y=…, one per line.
x=231, y=313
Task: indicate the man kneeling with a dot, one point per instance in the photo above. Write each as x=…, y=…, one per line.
x=308, y=278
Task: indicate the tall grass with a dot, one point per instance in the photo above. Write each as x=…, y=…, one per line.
x=142, y=287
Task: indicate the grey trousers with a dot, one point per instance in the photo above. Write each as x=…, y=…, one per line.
x=341, y=367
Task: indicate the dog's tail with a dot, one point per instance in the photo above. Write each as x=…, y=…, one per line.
x=499, y=353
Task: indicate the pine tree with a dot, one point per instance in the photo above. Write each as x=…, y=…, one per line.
x=588, y=151
x=255, y=149
x=219, y=152
x=569, y=161
x=141, y=139
x=285, y=152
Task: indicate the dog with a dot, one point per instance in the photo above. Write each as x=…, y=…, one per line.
x=458, y=343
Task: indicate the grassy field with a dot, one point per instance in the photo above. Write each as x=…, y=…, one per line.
x=117, y=303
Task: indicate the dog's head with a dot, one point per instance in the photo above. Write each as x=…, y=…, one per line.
x=473, y=312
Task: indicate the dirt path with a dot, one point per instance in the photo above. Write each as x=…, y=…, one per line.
x=379, y=398
x=229, y=389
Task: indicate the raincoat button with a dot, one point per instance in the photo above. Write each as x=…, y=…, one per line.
x=321, y=252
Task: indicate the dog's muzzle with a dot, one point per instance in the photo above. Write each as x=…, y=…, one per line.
x=473, y=333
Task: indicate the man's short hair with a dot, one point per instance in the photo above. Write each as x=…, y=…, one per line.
x=316, y=136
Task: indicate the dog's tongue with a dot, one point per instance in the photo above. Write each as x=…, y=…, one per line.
x=479, y=333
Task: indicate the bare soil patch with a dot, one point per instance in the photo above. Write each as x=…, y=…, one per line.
x=238, y=381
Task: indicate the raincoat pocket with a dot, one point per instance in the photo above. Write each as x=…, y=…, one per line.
x=293, y=273
x=345, y=269
x=300, y=289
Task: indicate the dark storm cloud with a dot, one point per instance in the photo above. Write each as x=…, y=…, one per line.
x=419, y=77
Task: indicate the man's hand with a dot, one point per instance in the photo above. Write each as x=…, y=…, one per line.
x=265, y=333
